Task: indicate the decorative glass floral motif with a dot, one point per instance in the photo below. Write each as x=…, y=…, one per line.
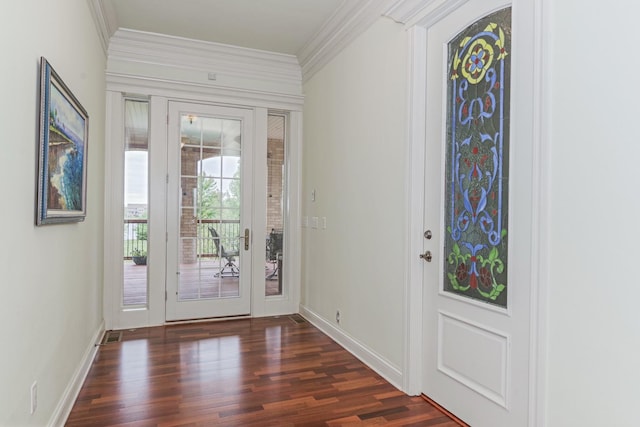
x=477, y=160
x=477, y=61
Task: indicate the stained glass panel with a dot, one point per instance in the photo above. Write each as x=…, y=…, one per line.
x=477, y=168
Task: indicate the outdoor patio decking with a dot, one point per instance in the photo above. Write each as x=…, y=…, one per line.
x=194, y=282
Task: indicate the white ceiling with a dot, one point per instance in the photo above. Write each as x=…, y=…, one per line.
x=283, y=26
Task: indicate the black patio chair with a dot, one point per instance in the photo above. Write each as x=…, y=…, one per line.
x=230, y=269
x=274, y=250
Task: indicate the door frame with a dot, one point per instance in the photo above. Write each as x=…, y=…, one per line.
x=159, y=93
x=417, y=22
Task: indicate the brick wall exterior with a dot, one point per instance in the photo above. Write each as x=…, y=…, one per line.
x=275, y=163
x=188, y=225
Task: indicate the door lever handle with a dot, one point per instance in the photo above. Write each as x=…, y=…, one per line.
x=426, y=256
x=246, y=239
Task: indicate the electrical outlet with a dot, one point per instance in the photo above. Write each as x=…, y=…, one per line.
x=34, y=397
x=338, y=317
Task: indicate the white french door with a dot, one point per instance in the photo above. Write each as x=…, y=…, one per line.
x=477, y=213
x=209, y=195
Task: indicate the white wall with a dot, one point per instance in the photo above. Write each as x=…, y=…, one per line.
x=594, y=328
x=50, y=277
x=355, y=158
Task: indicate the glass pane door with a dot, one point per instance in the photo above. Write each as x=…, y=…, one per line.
x=136, y=203
x=210, y=254
x=275, y=205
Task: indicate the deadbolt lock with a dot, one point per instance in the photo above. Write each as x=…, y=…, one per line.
x=428, y=235
x=426, y=256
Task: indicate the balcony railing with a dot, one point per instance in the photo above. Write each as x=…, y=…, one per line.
x=136, y=236
x=227, y=229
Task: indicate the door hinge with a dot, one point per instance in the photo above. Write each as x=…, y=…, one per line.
x=165, y=295
x=167, y=119
x=167, y=178
x=166, y=236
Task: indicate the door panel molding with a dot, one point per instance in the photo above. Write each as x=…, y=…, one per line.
x=493, y=380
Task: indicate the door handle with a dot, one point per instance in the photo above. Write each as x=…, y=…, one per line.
x=426, y=256
x=246, y=239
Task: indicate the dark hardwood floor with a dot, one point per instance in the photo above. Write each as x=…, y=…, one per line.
x=256, y=372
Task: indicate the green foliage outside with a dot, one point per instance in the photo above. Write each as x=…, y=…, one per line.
x=212, y=204
x=215, y=204
x=141, y=232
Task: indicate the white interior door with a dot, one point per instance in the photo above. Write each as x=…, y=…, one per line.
x=478, y=214
x=209, y=211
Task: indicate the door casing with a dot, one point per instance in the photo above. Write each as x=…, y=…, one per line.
x=117, y=317
x=417, y=23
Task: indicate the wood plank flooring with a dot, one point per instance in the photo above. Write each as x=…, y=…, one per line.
x=278, y=371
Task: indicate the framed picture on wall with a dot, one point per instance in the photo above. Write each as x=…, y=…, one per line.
x=62, y=165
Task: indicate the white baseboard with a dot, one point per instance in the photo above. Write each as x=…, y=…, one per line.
x=68, y=398
x=369, y=357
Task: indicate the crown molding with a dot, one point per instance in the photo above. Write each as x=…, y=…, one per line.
x=163, y=49
x=421, y=12
x=197, y=62
x=104, y=16
x=402, y=11
x=350, y=20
